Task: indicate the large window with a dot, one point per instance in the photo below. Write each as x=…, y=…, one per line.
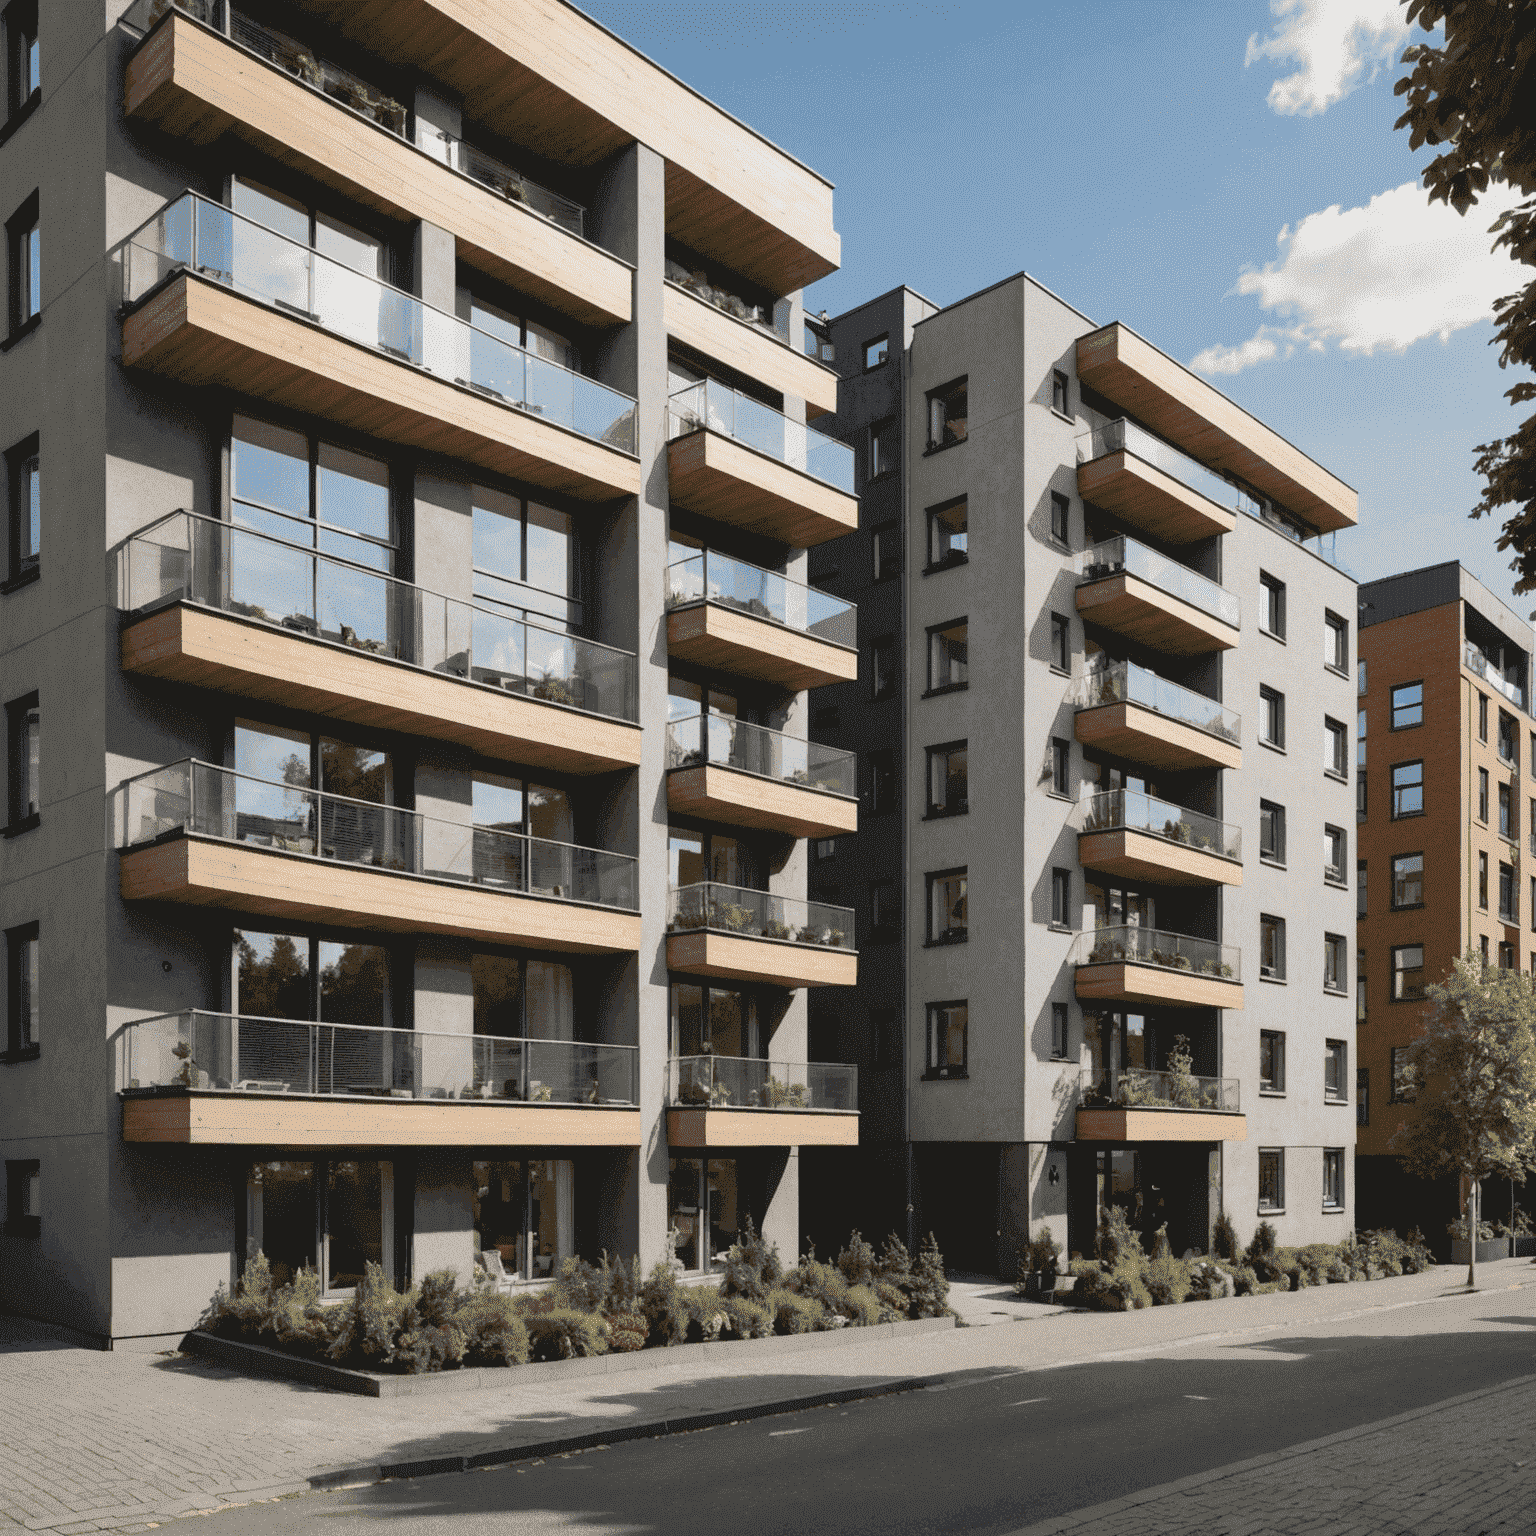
x=948, y=780
x=1509, y=900
x=23, y=241
x=24, y=520
x=714, y=1021
x=526, y=559
x=292, y=976
x=947, y=919
x=1362, y=1095
x=1271, y=717
x=1271, y=1061
x=23, y=61
x=336, y=1217
x=525, y=1213
x=1335, y=1067
x=23, y=740
x=1061, y=765
x=948, y=656
x=1407, y=789
x=1271, y=832
x=1336, y=749
x=22, y=993
x=1405, y=1087
x=947, y=415
x=1333, y=1178
x=1272, y=948
x=947, y=1028
x=1335, y=963
x=884, y=448
x=306, y=224
x=705, y=1208
x=1407, y=973
x=1336, y=643
x=1271, y=1179
x=1407, y=706
x=885, y=552
x=523, y=999
x=1407, y=880
x=1271, y=606
x=949, y=531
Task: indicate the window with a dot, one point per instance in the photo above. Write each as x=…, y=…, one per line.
x=1272, y=948
x=1362, y=1095
x=1482, y=945
x=24, y=512
x=23, y=1198
x=1061, y=643
x=947, y=922
x=1407, y=789
x=1061, y=898
x=1506, y=956
x=1333, y=1178
x=1404, y=1088
x=947, y=410
x=1407, y=880
x=947, y=656
x=23, y=735
x=22, y=992
x=948, y=780
x=876, y=352
x=1360, y=677
x=1059, y=1031
x=334, y=1217
x=1533, y=905
x=1336, y=643
x=1482, y=717
x=1272, y=717
x=885, y=910
x=1335, y=749
x=948, y=534
x=1482, y=795
x=1407, y=973
x=292, y=976
x=1334, y=854
x=1508, y=900
x=1507, y=818
x=882, y=668
x=823, y=848
x=885, y=546
x=23, y=64
x=1407, y=706
x=1335, y=1063
x=1059, y=391
x=1271, y=606
x=1271, y=1179
x=1509, y=741
x=526, y=1212
x=1359, y=986
x=1061, y=511
x=947, y=1023
x=1361, y=802
x=884, y=448
x=1334, y=963
x=1360, y=887
x=1271, y=1061
x=1360, y=739
x=1271, y=832
x=23, y=243
x=1482, y=881
x=882, y=779
x=1061, y=764
x=527, y=557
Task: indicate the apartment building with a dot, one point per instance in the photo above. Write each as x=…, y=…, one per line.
x=1116, y=613
x=411, y=467
x=1444, y=718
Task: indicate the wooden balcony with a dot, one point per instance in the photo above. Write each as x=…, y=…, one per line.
x=1129, y=730
x=695, y=1128
x=1130, y=854
x=729, y=640
x=1154, y=986
x=1151, y=499
x=1143, y=612
x=723, y=794
x=1117, y=1123
x=766, y=962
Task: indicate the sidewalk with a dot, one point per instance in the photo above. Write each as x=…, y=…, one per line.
x=117, y=1442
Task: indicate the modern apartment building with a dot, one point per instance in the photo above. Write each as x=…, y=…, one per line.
x=1444, y=684
x=1109, y=695
x=407, y=651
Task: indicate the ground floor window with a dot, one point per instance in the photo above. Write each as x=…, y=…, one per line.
x=1271, y=1179
x=1333, y=1178
x=334, y=1217
x=525, y=1211
x=703, y=1210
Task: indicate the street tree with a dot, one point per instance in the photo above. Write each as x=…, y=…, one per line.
x=1472, y=97
x=1473, y=1077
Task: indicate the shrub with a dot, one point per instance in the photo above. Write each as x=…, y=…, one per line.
x=608, y=1286
x=1263, y=1240
x=249, y=1309
x=1116, y=1240
x=627, y=1331
x=494, y=1332
x=296, y=1316
x=928, y=1295
x=746, y=1319
x=565, y=1333
x=370, y=1321
x=1209, y=1281
x=793, y=1313
x=1113, y=1288
x=892, y=1299
x=862, y=1308
x=825, y=1286
x=664, y=1307
x=706, y=1316
x=426, y=1334
x=1416, y=1255
x=1224, y=1243
x=857, y=1262
x=752, y=1266
x=1166, y=1278
x=1244, y=1281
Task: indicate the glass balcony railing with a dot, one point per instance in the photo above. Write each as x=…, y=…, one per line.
x=758, y=915
x=1131, y=811
x=1120, y=555
x=775, y=321
x=721, y=409
x=196, y=235
x=196, y=1049
x=186, y=557
x=202, y=800
x=729, y=743
x=1139, y=1088
x=505, y=181
x=739, y=1082
x=1124, y=682
x=709, y=577
x=1152, y=946
x=1477, y=662
x=1126, y=437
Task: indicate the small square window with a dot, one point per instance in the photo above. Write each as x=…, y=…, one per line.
x=1408, y=790
x=883, y=668
x=1271, y=832
x=1407, y=880
x=1271, y=717
x=1407, y=973
x=1509, y=740
x=1405, y=1085
x=1333, y=1178
x=1360, y=677
x=1271, y=1061
x=1059, y=1040
x=23, y=1198
x=949, y=534
x=823, y=848
x=23, y=734
x=884, y=448
x=885, y=543
x=1061, y=763
x=1362, y=1095
x=1061, y=515
x=1335, y=962
x=882, y=780
x=948, y=656
x=1336, y=643
x=1335, y=853
x=1059, y=392
x=24, y=496
x=1061, y=642
x=948, y=410
x=876, y=352
x=1509, y=900
x=24, y=248
x=1482, y=881
x=23, y=994
x=1271, y=1179
x=1335, y=749
x=1061, y=898
x=1272, y=947
x=947, y=1028
x=1407, y=706
x=1271, y=606
x=948, y=780
x=947, y=920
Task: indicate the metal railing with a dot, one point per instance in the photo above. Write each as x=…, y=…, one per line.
x=710, y=577
x=1479, y=663
x=206, y=238
x=1140, y=1088
x=1126, y=437
x=1131, y=811
x=709, y=738
x=697, y=283
x=186, y=557
x=722, y=409
x=502, y=179
x=758, y=915
x=1131, y=945
x=199, y=1049
x=1124, y=682
x=202, y=800
x=1121, y=554
x=744, y=1082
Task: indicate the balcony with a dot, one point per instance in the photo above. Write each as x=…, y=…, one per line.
x=1137, y=1105
x=744, y=775
x=733, y=1101
x=204, y=836
x=1130, y=712
x=1149, y=967
x=1183, y=408
x=1138, y=837
x=205, y=71
x=739, y=618
x=1153, y=487
x=740, y=462
x=1157, y=602
x=223, y=607
x=216, y=300
x=778, y=941
x=1488, y=672
x=219, y=1079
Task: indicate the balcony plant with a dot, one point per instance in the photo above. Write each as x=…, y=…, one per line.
x=556, y=690
x=774, y=929
x=1183, y=1087
x=776, y=1095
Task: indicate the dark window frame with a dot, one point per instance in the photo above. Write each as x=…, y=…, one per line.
x=1334, y=1176
x=1402, y=1088
x=1061, y=898
x=1337, y=629
x=885, y=552
x=1061, y=1026
x=1336, y=955
x=1274, y=1178
x=1061, y=519
x=19, y=23
x=1061, y=768
x=884, y=684
x=1274, y=1041
x=1336, y=1064
x=1399, y=972
x=1274, y=853
x=1362, y=1095
x=936, y=811
x=21, y=1043
x=1061, y=644
x=1394, y=708
x=1270, y=923
x=932, y=632
x=1275, y=588
x=885, y=355
x=950, y=935
x=1271, y=711
x=21, y=566
x=1402, y=815
x=884, y=780
x=950, y=1070
x=942, y=395
x=1393, y=904
x=1061, y=392
x=953, y=557
x=884, y=911
x=1336, y=874
x=20, y=294
x=1336, y=733
x=18, y=1173
x=18, y=770
x=884, y=434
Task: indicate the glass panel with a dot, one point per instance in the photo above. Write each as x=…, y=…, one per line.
x=354, y=984
x=277, y=211
x=353, y=492
x=351, y=246
x=685, y=857
x=286, y=1192
x=272, y=975
x=683, y=1214
x=270, y=465
x=497, y=983
x=551, y=546
x=757, y=914
x=498, y=533
x=549, y=813
x=551, y=1010
x=354, y=1236
x=551, y=1216
x=501, y=1213
x=724, y=1207
x=498, y=802
x=687, y=1019
x=360, y=773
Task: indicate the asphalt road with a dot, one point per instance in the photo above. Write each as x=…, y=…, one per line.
x=986, y=1453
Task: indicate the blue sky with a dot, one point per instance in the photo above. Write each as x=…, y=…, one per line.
x=1129, y=158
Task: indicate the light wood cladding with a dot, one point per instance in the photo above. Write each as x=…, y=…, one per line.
x=1170, y=400
x=762, y=1128
x=748, y=349
x=1146, y=614
x=187, y=644
x=1149, y=498
x=284, y=1120
x=1144, y=736
x=1143, y=856
x=719, y=637
x=768, y=962
x=265, y=883
x=197, y=86
x=204, y=336
x=539, y=72
x=749, y=800
x=1155, y=985
x=731, y=483
x=1115, y=1124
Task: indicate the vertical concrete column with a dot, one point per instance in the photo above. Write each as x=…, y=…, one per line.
x=445, y=1011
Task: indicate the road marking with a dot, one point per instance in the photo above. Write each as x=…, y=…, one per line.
x=1195, y=1398
x=1024, y=1402
x=773, y=1433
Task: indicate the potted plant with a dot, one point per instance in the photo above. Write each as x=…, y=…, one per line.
x=1037, y=1281
x=1490, y=1244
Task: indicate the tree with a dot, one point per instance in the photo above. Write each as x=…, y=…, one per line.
x=1473, y=1073
x=1473, y=96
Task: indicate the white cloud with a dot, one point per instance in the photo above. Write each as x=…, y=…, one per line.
x=1377, y=278
x=1335, y=41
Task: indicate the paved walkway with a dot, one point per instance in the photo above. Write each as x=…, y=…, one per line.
x=119, y=1442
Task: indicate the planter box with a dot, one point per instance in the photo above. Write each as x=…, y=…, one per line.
x=1494, y=1248
x=1040, y=1285
x=1525, y=1247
